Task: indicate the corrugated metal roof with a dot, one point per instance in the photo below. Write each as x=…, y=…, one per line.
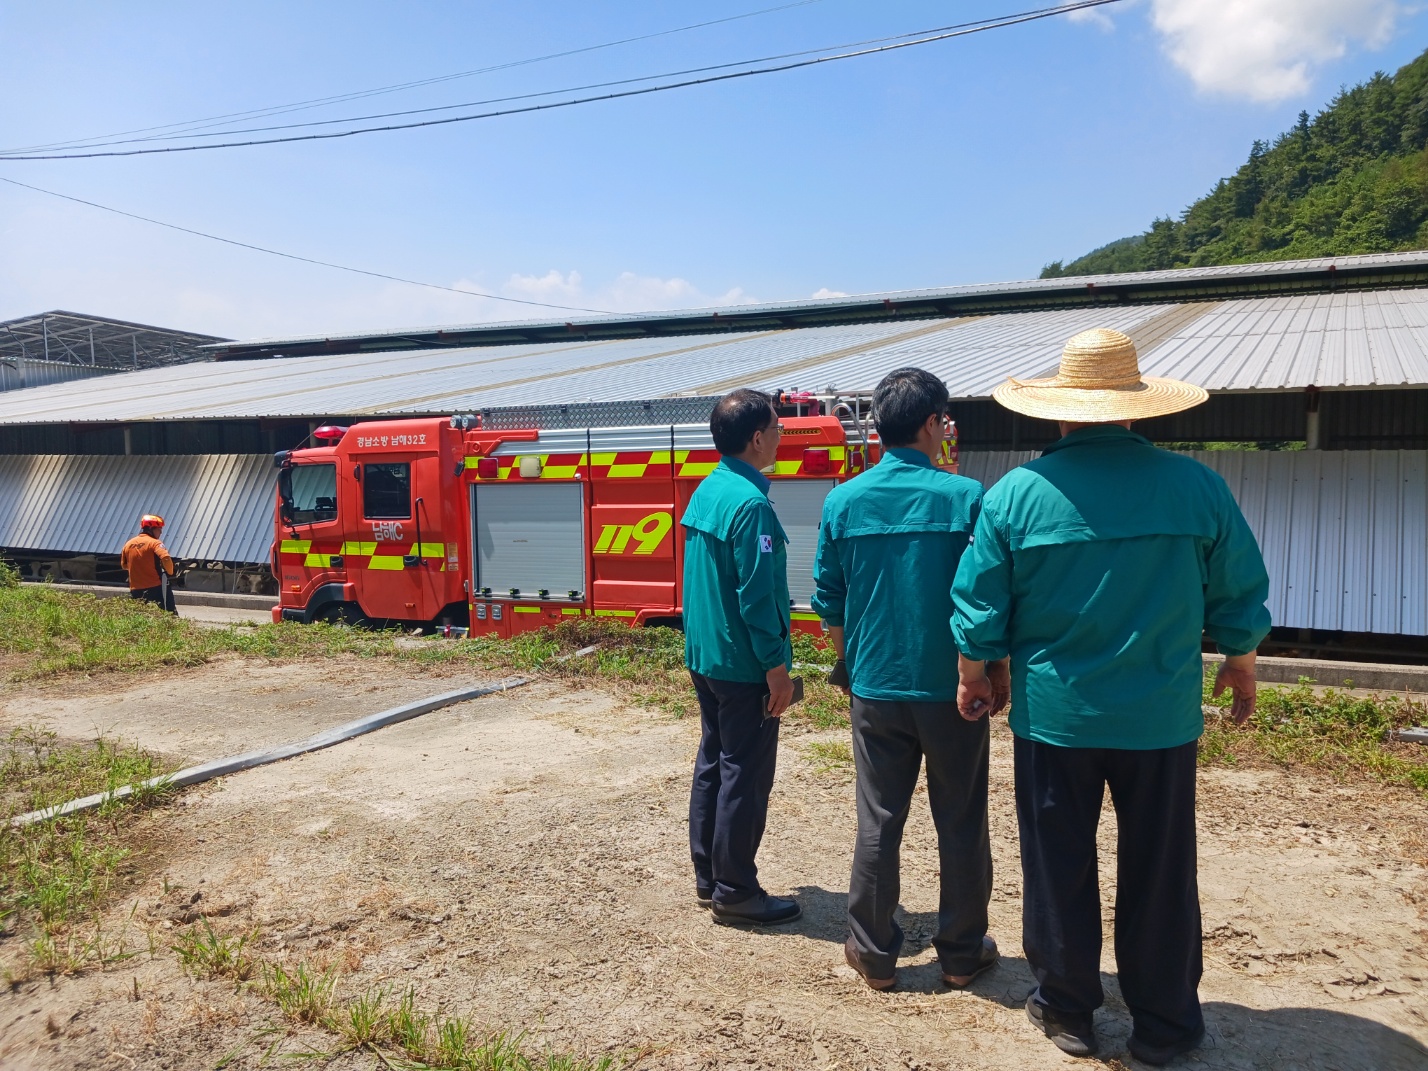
x=1071, y=286
x=1358, y=339
x=1344, y=533
x=217, y=507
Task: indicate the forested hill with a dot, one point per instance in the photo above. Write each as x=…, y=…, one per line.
x=1353, y=179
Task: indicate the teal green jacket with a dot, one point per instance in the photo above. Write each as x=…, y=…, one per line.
x=1097, y=567
x=736, y=605
x=888, y=549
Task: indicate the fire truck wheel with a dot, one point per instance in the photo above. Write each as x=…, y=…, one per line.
x=340, y=613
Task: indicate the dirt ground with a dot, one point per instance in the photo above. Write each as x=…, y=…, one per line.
x=523, y=858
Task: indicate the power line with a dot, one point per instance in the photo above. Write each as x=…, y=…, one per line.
x=568, y=89
x=228, y=118
x=294, y=256
x=555, y=92
x=1010, y=20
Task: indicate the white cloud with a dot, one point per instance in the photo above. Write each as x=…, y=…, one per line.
x=1095, y=16
x=823, y=291
x=627, y=292
x=1266, y=50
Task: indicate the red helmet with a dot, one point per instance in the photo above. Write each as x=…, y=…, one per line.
x=151, y=520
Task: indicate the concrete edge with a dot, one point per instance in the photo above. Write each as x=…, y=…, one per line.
x=181, y=597
x=1371, y=675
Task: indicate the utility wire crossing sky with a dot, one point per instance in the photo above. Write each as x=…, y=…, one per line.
x=936, y=35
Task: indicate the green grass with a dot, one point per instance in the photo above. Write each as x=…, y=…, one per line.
x=1329, y=730
x=55, y=874
x=398, y=1033
x=831, y=755
x=48, y=632
x=207, y=954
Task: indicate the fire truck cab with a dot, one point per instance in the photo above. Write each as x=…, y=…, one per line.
x=504, y=530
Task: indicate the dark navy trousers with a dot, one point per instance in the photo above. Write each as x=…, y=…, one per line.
x=1158, y=944
x=733, y=776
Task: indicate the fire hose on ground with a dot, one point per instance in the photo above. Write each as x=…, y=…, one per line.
x=194, y=775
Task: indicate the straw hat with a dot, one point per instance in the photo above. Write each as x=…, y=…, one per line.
x=1099, y=382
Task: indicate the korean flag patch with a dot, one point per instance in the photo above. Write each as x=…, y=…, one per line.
x=765, y=544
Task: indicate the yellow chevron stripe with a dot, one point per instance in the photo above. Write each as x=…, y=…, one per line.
x=629, y=471
x=571, y=613
x=318, y=561
x=603, y=459
x=698, y=468
x=804, y=617
x=526, y=609
x=295, y=546
x=360, y=549
x=614, y=613
x=558, y=472
x=386, y=561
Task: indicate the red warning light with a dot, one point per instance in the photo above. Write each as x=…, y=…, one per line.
x=816, y=462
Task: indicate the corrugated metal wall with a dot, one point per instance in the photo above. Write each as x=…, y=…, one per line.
x=22, y=372
x=1344, y=532
x=218, y=507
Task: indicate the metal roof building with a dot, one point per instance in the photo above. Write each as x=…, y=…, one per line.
x=1329, y=353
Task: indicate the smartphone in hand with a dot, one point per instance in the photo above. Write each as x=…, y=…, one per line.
x=797, y=695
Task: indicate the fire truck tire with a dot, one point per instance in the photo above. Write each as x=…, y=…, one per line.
x=341, y=613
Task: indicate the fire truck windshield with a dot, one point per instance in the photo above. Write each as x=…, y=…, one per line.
x=387, y=491
x=310, y=492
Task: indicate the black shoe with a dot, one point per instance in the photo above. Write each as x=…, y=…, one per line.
x=1073, y=1035
x=760, y=909
x=986, y=962
x=1157, y=1055
x=704, y=896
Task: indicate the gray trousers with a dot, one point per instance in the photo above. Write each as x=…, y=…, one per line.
x=889, y=741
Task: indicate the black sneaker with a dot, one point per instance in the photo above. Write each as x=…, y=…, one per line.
x=760, y=909
x=1073, y=1035
x=1157, y=1055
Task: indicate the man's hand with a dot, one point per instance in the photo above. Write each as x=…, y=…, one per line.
x=780, y=690
x=974, y=691
x=839, y=677
x=1237, y=674
x=999, y=674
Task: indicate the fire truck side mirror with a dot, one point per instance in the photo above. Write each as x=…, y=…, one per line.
x=285, y=495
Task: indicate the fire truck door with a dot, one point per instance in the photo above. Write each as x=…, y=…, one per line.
x=396, y=580
x=310, y=547
x=799, y=505
x=529, y=540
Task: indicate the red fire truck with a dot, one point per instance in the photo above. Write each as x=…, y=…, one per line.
x=509, y=528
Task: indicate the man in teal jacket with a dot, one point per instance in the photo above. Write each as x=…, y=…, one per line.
x=736, y=629
x=1098, y=567
x=888, y=547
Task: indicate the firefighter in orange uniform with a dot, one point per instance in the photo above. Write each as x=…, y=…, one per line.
x=147, y=561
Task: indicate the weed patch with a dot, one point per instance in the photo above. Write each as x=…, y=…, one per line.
x=203, y=952
x=1328, y=730
x=55, y=874
x=398, y=1033
x=830, y=756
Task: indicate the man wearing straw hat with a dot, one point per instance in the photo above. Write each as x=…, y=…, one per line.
x=1097, y=567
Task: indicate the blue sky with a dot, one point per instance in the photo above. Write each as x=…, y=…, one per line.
x=971, y=160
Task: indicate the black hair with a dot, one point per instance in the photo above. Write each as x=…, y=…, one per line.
x=737, y=416
x=903, y=401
